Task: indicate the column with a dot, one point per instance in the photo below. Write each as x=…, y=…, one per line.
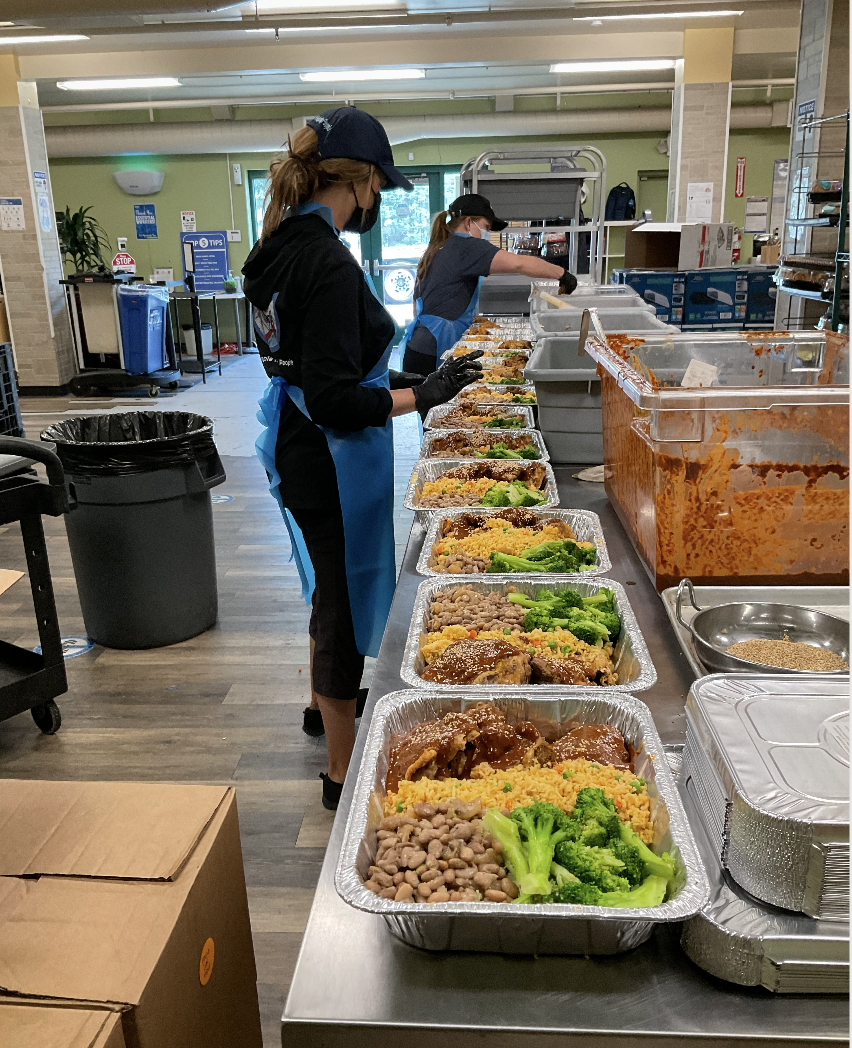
x=30, y=262
x=701, y=111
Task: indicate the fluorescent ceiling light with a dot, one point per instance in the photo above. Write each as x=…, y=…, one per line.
x=277, y=6
x=661, y=14
x=616, y=66
x=117, y=85
x=64, y=39
x=328, y=76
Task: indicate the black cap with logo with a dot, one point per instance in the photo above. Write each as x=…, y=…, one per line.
x=477, y=207
x=351, y=133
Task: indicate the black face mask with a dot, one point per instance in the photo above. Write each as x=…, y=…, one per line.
x=361, y=220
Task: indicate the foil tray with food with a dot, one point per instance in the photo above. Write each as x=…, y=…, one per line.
x=513, y=444
x=518, y=824
x=475, y=542
x=442, y=483
x=492, y=393
x=500, y=355
x=468, y=415
x=526, y=634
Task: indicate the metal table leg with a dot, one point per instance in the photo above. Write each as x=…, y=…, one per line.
x=216, y=333
x=236, y=302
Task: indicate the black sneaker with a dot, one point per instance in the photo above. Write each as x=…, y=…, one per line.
x=331, y=791
x=312, y=723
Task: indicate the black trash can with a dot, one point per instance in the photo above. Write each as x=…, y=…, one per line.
x=142, y=535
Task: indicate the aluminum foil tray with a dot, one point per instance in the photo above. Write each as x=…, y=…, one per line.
x=743, y=941
x=506, y=927
x=436, y=413
x=431, y=469
x=770, y=758
x=630, y=656
x=528, y=390
x=533, y=435
x=585, y=525
x=485, y=345
x=489, y=361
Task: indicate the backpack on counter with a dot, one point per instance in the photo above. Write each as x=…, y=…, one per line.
x=620, y=204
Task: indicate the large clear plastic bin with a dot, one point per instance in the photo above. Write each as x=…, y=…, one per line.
x=743, y=481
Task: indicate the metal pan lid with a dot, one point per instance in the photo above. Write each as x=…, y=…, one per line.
x=783, y=741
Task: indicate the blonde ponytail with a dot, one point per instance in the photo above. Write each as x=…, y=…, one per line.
x=443, y=226
x=296, y=177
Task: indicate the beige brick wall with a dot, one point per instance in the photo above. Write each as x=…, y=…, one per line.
x=699, y=142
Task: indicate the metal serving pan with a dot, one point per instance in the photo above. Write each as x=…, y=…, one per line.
x=715, y=629
x=487, y=927
x=431, y=469
x=742, y=941
x=435, y=414
x=490, y=361
x=496, y=436
x=585, y=525
x=832, y=600
x=630, y=656
x=527, y=390
x=769, y=756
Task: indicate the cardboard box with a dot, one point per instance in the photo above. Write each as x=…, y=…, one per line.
x=675, y=245
x=762, y=292
x=716, y=299
x=663, y=288
x=130, y=895
x=34, y=1024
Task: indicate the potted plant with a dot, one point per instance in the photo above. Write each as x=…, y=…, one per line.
x=81, y=240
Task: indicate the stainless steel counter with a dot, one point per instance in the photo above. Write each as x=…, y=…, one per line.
x=356, y=985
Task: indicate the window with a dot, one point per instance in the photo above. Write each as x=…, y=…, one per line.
x=451, y=187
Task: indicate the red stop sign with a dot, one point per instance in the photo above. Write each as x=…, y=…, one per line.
x=124, y=261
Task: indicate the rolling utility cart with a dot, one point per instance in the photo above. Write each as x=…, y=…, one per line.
x=29, y=680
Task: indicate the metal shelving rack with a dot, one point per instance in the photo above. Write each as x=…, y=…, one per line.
x=837, y=262
x=535, y=197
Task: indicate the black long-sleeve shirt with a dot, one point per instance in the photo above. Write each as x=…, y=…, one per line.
x=320, y=327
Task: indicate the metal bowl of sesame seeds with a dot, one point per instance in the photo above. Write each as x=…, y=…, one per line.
x=756, y=637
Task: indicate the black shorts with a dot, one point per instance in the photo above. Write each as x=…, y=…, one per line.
x=338, y=665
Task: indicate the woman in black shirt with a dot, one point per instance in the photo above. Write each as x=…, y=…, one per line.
x=446, y=294
x=328, y=447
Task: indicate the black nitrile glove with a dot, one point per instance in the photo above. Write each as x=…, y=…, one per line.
x=567, y=283
x=405, y=379
x=443, y=384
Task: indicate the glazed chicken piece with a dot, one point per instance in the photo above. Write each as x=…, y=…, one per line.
x=479, y=662
x=433, y=750
x=558, y=671
x=532, y=473
x=595, y=742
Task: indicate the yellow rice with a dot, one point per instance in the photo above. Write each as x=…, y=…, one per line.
x=535, y=784
x=498, y=534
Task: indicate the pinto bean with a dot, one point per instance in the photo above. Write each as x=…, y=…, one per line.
x=380, y=877
x=467, y=854
x=463, y=831
x=424, y=891
x=439, y=820
x=457, y=864
x=483, y=881
x=492, y=895
x=388, y=893
x=416, y=859
x=435, y=848
x=424, y=811
x=399, y=878
x=403, y=893
x=510, y=888
x=412, y=878
x=373, y=886
x=440, y=896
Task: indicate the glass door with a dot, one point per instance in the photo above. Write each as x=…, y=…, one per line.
x=404, y=223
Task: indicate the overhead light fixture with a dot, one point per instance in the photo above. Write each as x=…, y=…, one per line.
x=595, y=19
x=321, y=5
x=270, y=29
x=66, y=38
x=330, y=75
x=615, y=66
x=117, y=85
x=324, y=28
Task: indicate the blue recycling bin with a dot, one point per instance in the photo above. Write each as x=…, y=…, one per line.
x=142, y=315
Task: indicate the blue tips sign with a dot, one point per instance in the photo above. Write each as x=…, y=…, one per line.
x=146, y=221
x=212, y=264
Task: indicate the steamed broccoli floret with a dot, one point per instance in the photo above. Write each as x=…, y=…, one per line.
x=603, y=598
x=539, y=619
x=557, y=605
x=576, y=893
x=569, y=599
x=542, y=828
x=496, y=496
x=655, y=865
x=505, y=831
x=596, y=866
x=588, y=630
x=559, y=875
x=521, y=495
x=505, y=562
x=651, y=892
x=542, y=552
x=634, y=868
x=597, y=818
x=529, y=452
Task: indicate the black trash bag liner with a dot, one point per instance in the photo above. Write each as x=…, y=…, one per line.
x=131, y=442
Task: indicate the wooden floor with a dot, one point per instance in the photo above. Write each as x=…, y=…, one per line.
x=225, y=707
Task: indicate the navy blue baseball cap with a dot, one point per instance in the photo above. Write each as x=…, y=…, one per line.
x=351, y=133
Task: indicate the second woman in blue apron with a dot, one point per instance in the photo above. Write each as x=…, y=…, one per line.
x=446, y=294
x=327, y=443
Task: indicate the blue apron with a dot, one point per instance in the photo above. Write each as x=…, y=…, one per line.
x=363, y=460
x=446, y=332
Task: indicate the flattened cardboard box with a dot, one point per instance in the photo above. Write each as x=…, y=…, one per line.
x=139, y=903
x=35, y=1024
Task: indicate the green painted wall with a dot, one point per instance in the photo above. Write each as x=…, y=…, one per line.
x=761, y=149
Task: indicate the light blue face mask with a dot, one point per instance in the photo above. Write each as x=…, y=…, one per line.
x=483, y=233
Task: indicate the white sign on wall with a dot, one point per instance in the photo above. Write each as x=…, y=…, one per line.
x=12, y=213
x=187, y=222
x=699, y=202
